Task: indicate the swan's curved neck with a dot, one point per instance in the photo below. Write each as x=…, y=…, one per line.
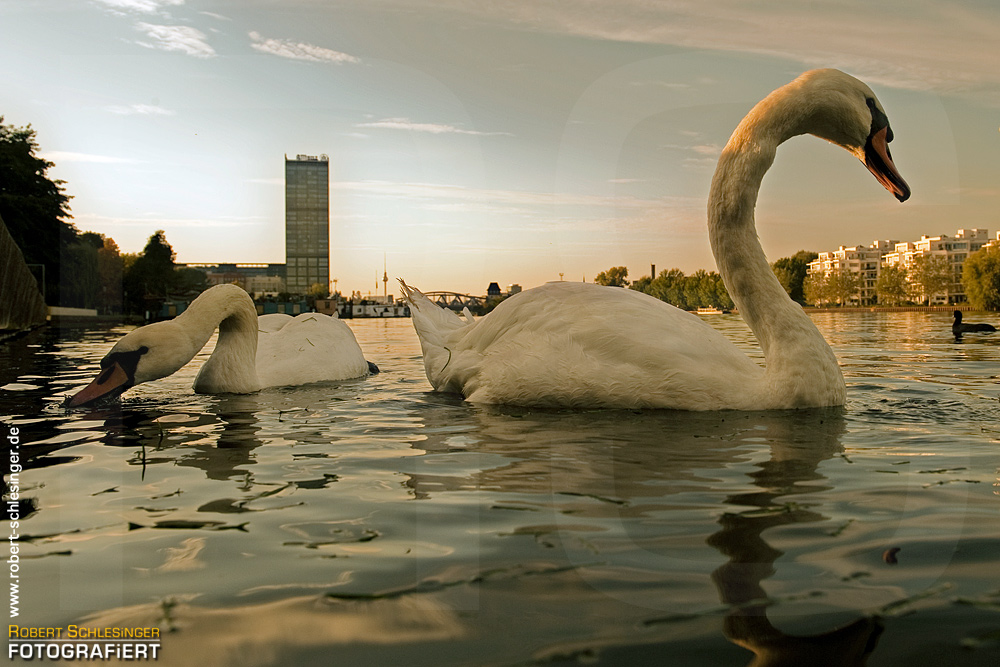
x=790, y=341
x=232, y=366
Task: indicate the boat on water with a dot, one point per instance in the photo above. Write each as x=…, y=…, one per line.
x=710, y=310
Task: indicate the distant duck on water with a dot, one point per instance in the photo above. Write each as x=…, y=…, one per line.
x=958, y=328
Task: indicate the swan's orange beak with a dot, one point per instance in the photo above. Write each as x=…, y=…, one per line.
x=112, y=381
x=879, y=162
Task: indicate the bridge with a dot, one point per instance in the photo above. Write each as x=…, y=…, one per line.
x=456, y=301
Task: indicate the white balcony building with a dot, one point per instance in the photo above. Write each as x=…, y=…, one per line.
x=868, y=261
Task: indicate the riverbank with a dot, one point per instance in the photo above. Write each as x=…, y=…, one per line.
x=965, y=308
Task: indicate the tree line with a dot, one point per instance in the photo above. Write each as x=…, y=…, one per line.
x=78, y=269
x=705, y=289
x=925, y=277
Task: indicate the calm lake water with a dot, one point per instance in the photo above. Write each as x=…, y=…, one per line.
x=375, y=522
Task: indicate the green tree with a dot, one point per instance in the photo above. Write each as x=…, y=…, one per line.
x=814, y=289
x=35, y=209
x=843, y=285
x=642, y=284
x=110, y=268
x=189, y=280
x=613, y=277
x=930, y=275
x=318, y=291
x=702, y=288
x=669, y=287
x=79, y=283
x=721, y=298
x=981, y=278
x=791, y=273
x=150, y=276
x=697, y=289
x=892, y=285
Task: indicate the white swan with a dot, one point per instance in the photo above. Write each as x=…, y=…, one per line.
x=251, y=353
x=580, y=345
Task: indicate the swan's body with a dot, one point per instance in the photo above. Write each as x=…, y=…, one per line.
x=580, y=345
x=958, y=327
x=251, y=353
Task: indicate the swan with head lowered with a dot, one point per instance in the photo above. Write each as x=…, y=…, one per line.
x=251, y=353
x=581, y=345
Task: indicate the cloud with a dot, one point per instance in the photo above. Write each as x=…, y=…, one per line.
x=432, y=128
x=941, y=47
x=140, y=110
x=176, y=38
x=67, y=156
x=709, y=150
x=141, y=6
x=501, y=198
x=286, y=48
x=696, y=157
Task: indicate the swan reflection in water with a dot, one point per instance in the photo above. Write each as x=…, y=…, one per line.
x=633, y=464
x=621, y=480
x=219, y=441
x=792, y=469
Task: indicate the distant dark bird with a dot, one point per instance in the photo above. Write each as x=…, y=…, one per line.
x=958, y=328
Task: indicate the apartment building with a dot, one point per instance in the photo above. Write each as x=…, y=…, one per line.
x=868, y=261
x=865, y=260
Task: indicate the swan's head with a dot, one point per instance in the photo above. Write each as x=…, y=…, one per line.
x=148, y=353
x=845, y=111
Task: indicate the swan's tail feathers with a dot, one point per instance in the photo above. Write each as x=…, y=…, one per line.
x=431, y=321
x=435, y=328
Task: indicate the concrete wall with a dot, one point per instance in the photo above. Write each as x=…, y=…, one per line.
x=21, y=304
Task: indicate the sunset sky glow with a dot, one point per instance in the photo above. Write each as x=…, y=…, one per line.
x=510, y=141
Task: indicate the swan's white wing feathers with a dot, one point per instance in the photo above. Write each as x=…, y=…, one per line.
x=310, y=347
x=273, y=322
x=574, y=344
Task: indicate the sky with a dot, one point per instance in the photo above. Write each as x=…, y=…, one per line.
x=508, y=141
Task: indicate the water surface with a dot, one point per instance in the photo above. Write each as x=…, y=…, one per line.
x=377, y=522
